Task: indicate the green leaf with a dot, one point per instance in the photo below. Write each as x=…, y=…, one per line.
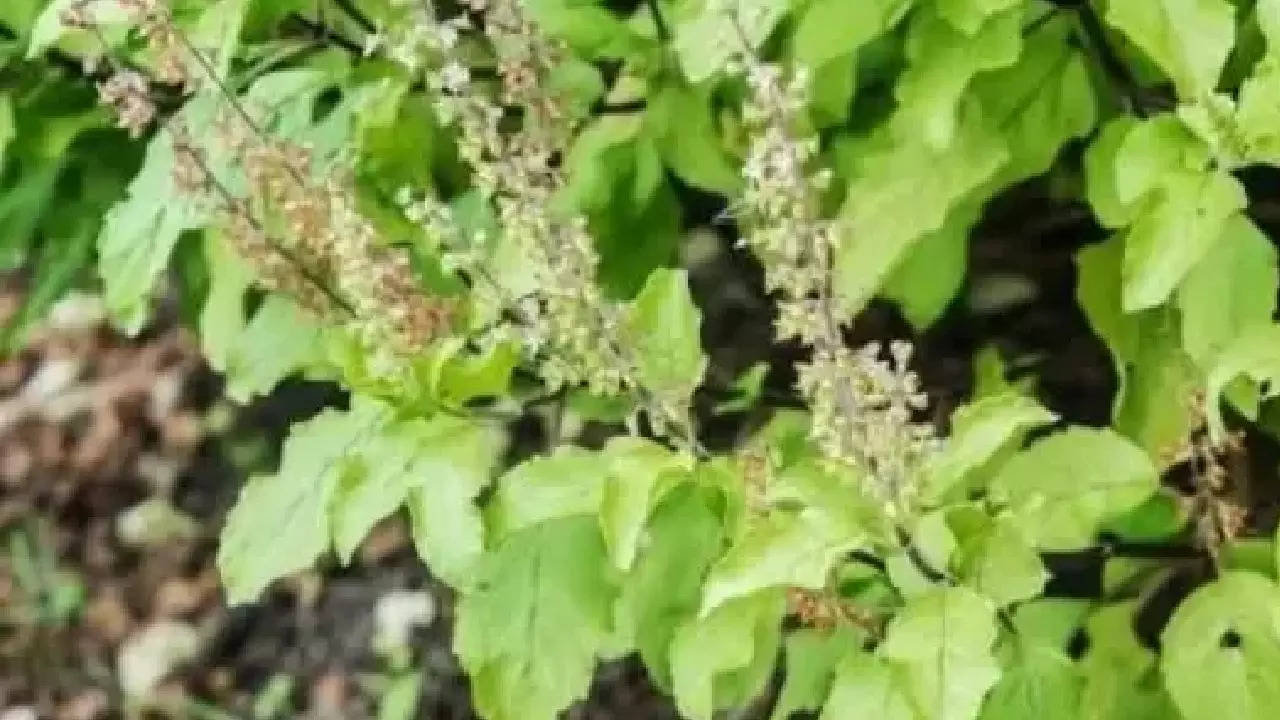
x=782, y=549
x=998, y=560
x=968, y=16
x=830, y=29
x=689, y=140
x=399, y=701
x=1156, y=407
x=706, y=41
x=1120, y=678
x=933, y=271
x=811, y=659
x=713, y=656
x=459, y=375
x=1232, y=288
x=1188, y=39
x=140, y=233
x=568, y=482
x=639, y=473
x=1221, y=648
x=941, y=643
x=280, y=339
x=664, y=325
x=1038, y=679
x=978, y=431
x=280, y=523
x=664, y=588
x=1063, y=487
x=1040, y=103
x=8, y=130
x=49, y=30
x=1255, y=354
x=1178, y=230
x=439, y=466
x=222, y=316
x=867, y=687
x=941, y=61
x=1101, y=161
x=592, y=31
x=900, y=192
x=1040, y=683
x=529, y=634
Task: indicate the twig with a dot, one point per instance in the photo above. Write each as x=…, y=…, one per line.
x=356, y=15
x=324, y=32
x=1096, y=35
x=659, y=22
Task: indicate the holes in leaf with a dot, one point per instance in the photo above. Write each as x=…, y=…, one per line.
x=1230, y=640
x=325, y=103
x=1078, y=645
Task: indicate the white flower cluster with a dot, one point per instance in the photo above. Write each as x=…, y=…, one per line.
x=862, y=406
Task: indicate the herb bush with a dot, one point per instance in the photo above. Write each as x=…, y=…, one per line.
x=475, y=216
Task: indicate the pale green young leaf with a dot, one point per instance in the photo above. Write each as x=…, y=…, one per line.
x=1255, y=354
x=782, y=549
x=1175, y=233
x=1232, y=288
x=710, y=653
x=281, y=523
x=1220, y=650
x=978, y=431
x=1151, y=151
x=1063, y=487
x=900, y=192
x=568, y=482
x=664, y=326
x=830, y=29
x=222, y=316
x=867, y=687
x=1188, y=39
x=459, y=375
x=932, y=272
x=811, y=659
x=530, y=633
x=941, y=642
x=705, y=41
x=638, y=473
x=664, y=587
x=941, y=61
x=279, y=340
